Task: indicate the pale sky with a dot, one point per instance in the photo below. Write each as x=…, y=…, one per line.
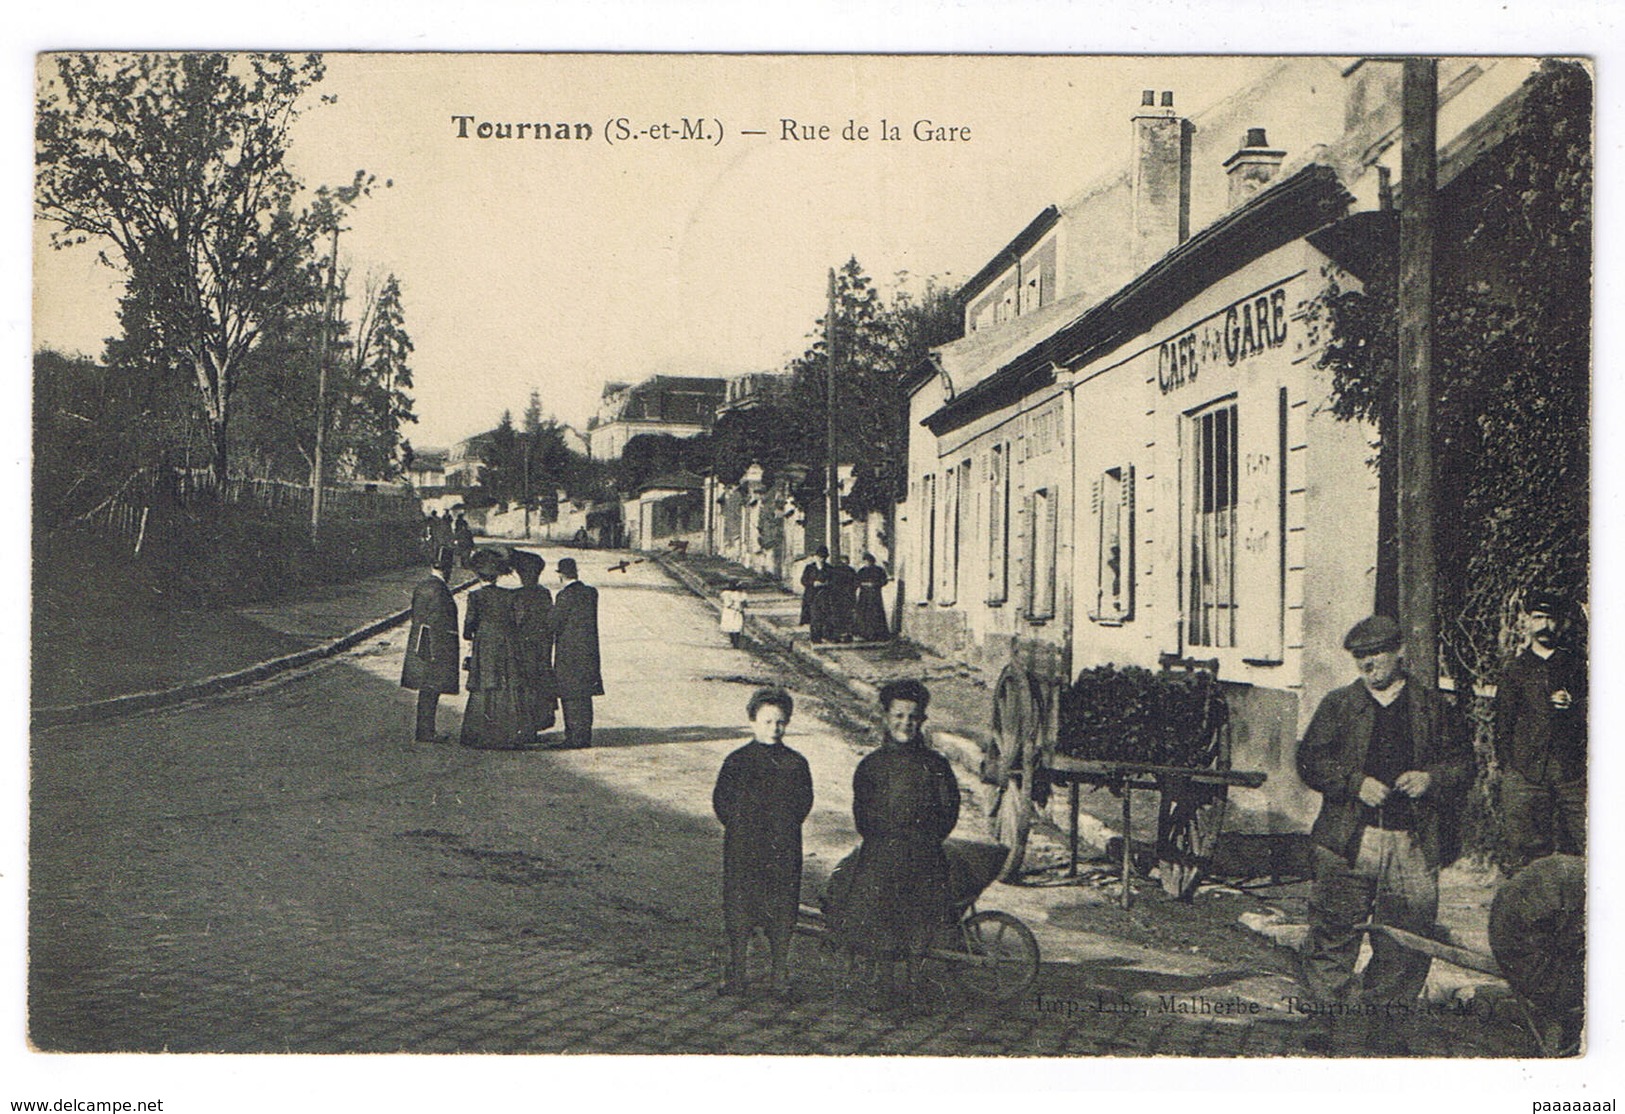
x=561, y=265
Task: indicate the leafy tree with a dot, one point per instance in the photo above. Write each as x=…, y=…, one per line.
x=649, y=455
x=178, y=161
x=875, y=343
x=368, y=399
x=771, y=436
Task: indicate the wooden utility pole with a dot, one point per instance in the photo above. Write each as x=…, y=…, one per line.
x=1419, y=185
x=832, y=492
x=316, y=475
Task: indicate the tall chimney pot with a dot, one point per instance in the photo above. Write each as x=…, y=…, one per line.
x=1161, y=181
x=1252, y=167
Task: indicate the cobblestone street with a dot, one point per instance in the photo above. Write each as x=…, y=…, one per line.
x=278, y=871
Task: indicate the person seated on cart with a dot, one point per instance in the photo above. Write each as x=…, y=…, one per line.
x=905, y=802
x=762, y=796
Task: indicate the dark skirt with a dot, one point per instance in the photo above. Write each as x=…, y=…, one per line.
x=496, y=719
x=895, y=896
x=870, y=621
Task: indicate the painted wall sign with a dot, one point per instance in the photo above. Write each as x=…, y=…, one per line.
x=1240, y=331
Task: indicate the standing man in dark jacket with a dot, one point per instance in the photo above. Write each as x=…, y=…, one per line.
x=576, y=668
x=1540, y=739
x=1391, y=761
x=815, y=579
x=433, y=648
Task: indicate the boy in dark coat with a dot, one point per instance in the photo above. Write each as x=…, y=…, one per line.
x=763, y=794
x=433, y=649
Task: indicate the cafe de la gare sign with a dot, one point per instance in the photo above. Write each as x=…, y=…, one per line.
x=1245, y=328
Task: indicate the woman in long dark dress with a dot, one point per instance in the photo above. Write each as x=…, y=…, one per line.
x=494, y=717
x=869, y=620
x=533, y=624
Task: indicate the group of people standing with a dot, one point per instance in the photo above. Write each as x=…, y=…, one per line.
x=843, y=604
x=531, y=654
x=441, y=531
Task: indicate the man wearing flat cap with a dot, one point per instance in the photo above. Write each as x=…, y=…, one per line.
x=1392, y=762
x=1540, y=739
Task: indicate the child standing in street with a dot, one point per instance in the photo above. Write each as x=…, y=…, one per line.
x=763, y=794
x=732, y=616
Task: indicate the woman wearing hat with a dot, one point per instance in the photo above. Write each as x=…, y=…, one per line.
x=494, y=717
x=533, y=624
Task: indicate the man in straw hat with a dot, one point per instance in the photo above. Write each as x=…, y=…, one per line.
x=1391, y=761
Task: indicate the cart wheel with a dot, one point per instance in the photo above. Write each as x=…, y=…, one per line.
x=1016, y=723
x=1188, y=826
x=1001, y=957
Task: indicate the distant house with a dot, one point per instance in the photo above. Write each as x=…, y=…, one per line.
x=575, y=440
x=754, y=389
x=428, y=470
x=679, y=405
x=669, y=508
x=463, y=462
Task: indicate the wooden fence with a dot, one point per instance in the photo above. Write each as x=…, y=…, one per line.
x=151, y=495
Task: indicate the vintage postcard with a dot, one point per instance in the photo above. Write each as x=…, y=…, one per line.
x=822, y=555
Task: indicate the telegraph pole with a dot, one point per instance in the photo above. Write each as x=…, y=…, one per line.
x=321, y=387
x=832, y=494
x=1419, y=185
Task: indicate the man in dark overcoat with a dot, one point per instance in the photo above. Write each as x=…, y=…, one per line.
x=433, y=647
x=815, y=576
x=576, y=668
x=1392, y=762
x=1540, y=739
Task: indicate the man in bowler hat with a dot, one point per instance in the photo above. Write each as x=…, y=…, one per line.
x=433, y=647
x=1391, y=761
x=576, y=669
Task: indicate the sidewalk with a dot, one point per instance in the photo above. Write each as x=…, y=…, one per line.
x=960, y=711
x=158, y=652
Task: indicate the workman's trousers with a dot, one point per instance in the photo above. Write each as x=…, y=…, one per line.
x=428, y=705
x=1541, y=817
x=577, y=720
x=1390, y=882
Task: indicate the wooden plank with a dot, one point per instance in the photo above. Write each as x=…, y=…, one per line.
x=1450, y=953
x=1065, y=765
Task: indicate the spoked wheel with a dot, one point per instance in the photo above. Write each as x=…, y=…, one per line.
x=1017, y=720
x=1188, y=826
x=1001, y=957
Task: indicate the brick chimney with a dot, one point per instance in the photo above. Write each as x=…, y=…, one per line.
x=1252, y=167
x=1162, y=179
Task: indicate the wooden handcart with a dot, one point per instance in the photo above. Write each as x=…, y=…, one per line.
x=1027, y=763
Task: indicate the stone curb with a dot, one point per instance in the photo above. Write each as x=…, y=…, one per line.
x=960, y=744
x=113, y=707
